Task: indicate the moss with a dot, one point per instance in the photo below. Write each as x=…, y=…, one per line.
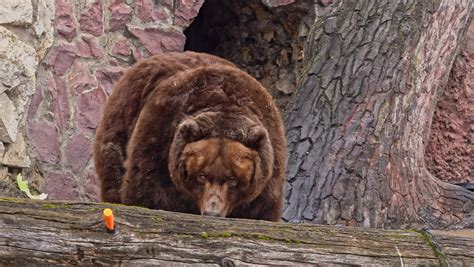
x=435, y=247
x=263, y=237
x=204, y=235
x=157, y=219
x=12, y=199
x=225, y=234
x=93, y=209
x=51, y=206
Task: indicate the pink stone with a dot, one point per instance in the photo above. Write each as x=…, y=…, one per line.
x=158, y=40
x=113, y=62
x=92, y=186
x=83, y=49
x=187, y=10
x=61, y=186
x=81, y=78
x=121, y=48
x=120, y=15
x=137, y=54
x=35, y=102
x=277, y=3
x=91, y=20
x=78, y=151
x=61, y=57
x=89, y=107
x=64, y=19
x=147, y=11
x=96, y=50
x=107, y=77
x=167, y=3
x=44, y=140
x=59, y=103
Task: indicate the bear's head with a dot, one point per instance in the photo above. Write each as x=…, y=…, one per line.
x=220, y=170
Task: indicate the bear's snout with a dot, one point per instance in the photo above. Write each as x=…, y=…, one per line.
x=213, y=206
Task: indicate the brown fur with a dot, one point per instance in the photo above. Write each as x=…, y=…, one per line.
x=180, y=129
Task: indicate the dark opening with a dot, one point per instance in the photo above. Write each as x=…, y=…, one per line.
x=265, y=42
x=207, y=31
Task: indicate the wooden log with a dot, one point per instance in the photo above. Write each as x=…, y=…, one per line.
x=62, y=233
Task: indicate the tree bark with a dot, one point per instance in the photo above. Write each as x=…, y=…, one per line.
x=358, y=125
x=60, y=233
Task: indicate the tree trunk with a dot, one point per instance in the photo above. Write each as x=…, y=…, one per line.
x=359, y=123
x=59, y=233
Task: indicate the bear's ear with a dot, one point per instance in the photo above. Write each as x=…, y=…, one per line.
x=189, y=130
x=257, y=137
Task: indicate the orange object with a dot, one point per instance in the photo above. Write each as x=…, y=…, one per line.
x=109, y=219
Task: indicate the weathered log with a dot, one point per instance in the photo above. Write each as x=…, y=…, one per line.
x=61, y=233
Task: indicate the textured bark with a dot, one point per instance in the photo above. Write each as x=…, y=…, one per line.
x=49, y=234
x=358, y=125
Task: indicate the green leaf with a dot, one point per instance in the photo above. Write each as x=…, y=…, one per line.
x=23, y=186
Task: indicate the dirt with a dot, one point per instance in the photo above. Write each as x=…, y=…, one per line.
x=450, y=151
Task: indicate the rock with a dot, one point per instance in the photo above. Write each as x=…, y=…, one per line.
x=2, y=151
x=16, y=154
x=64, y=19
x=8, y=120
x=120, y=15
x=78, y=152
x=96, y=50
x=45, y=140
x=59, y=102
x=19, y=79
x=43, y=27
x=10, y=74
x=147, y=11
x=91, y=20
x=277, y=3
x=61, y=57
x=137, y=54
x=16, y=12
x=121, y=48
x=16, y=51
x=92, y=186
x=81, y=78
x=83, y=49
x=89, y=107
x=87, y=47
x=158, y=40
x=186, y=11
x=35, y=103
x=61, y=186
x=3, y=175
x=108, y=76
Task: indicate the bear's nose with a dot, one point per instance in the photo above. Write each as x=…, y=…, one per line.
x=213, y=207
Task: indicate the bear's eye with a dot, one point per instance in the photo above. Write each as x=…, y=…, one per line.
x=201, y=178
x=232, y=182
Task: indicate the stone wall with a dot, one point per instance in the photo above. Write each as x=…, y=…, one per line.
x=26, y=32
x=94, y=41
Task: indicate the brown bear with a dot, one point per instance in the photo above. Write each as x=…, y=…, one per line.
x=190, y=132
